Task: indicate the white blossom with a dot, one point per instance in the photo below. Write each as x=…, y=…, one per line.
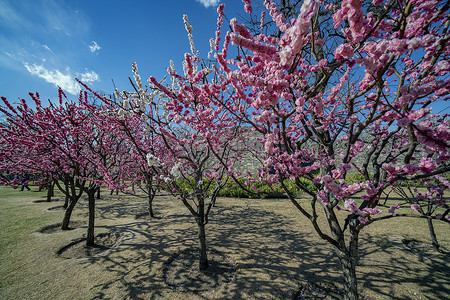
x=175, y=171
x=189, y=30
x=126, y=103
x=212, y=44
x=152, y=160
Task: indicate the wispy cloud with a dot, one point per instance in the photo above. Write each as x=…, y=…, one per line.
x=31, y=28
x=47, y=48
x=208, y=3
x=94, y=46
x=64, y=80
x=41, y=19
x=88, y=77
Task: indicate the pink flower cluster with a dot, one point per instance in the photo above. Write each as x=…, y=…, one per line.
x=248, y=6
x=426, y=165
x=276, y=15
x=220, y=9
x=351, y=10
x=343, y=51
x=296, y=36
x=241, y=29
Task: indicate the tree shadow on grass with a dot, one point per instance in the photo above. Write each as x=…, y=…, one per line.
x=272, y=254
x=391, y=269
x=267, y=253
x=123, y=206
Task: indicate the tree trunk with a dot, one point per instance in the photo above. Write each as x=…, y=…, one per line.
x=98, y=193
x=151, y=196
x=203, y=262
x=348, y=267
x=66, y=201
x=150, y=206
x=90, y=231
x=151, y=193
x=50, y=192
x=68, y=214
x=52, y=186
x=433, y=235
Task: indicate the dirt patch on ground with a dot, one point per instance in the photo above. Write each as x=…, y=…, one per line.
x=78, y=248
x=56, y=227
x=181, y=272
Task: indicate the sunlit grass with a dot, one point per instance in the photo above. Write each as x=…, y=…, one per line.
x=18, y=218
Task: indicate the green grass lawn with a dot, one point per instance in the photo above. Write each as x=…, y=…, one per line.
x=16, y=224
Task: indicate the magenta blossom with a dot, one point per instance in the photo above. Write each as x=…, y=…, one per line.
x=393, y=208
x=350, y=205
x=415, y=207
x=426, y=165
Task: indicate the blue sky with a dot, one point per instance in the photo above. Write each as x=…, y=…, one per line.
x=44, y=43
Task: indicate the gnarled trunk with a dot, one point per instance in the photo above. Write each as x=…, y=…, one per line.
x=91, y=224
x=150, y=206
x=72, y=197
x=66, y=201
x=203, y=261
x=348, y=267
x=151, y=197
x=68, y=214
x=348, y=256
x=434, y=240
x=151, y=193
x=50, y=191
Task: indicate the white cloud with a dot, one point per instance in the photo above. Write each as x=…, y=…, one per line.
x=94, y=47
x=88, y=77
x=64, y=80
x=208, y=3
x=40, y=19
x=47, y=48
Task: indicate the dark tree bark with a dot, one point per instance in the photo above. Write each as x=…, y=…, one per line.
x=203, y=261
x=98, y=193
x=151, y=196
x=151, y=191
x=50, y=191
x=66, y=201
x=434, y=240
x=348, y=267
x=91, y=224
x=72, y=197
x=68, y=214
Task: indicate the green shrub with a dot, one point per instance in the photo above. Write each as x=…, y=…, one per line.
x=260, y=189
x=355, y=177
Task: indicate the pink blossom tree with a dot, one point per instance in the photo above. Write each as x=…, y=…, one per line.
x=345, y=88
x=138, y=144
x=68, y=142
x=39, y=143
x=191, y=130
x=425, y=197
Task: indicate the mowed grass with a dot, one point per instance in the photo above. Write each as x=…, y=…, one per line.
x=18, y=218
